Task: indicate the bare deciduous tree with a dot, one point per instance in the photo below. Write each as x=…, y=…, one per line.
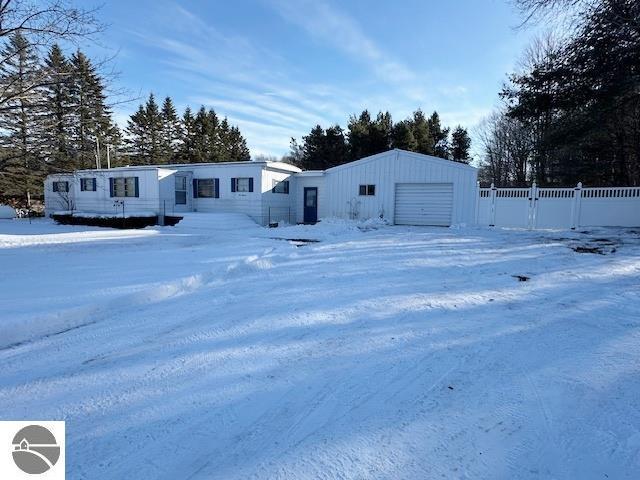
x=43, y=23
x=507, y=151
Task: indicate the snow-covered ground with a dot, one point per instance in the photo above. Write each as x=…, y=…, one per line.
x=213, y=350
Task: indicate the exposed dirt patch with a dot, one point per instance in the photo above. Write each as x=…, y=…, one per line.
x=598, y=246
x=298, y=242
x=521, y=278
x=585, y=249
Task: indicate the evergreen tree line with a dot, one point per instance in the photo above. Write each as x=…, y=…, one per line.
x=52, y=114
x=158, y=135
x=573, y=111
x=55, y=117
x=364, y=136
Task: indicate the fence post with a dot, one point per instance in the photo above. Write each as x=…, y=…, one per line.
x=162, y=214
x=575, y=206
x=492, y=216
x=477, y=201
x=533, y=202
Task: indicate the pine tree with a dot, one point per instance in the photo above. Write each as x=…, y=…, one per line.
x=57, y=110
x=238, y=150
x=439, y=136
x=313, y=149
x=21, y=167
x=403, y=137
x=421, y=133
x=204, y=138
x=323, y=149
x=358, y=134
x=216, y=138
x=460, y=145
x=137, y=136
x=154, y=131
x=92, y=124
x=171, y=132
x=187, y=138
x=144, y=134
x=200, y=137
x=380, y=134
x=335, y=149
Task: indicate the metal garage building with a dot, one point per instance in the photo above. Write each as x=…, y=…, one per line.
x=403, y=187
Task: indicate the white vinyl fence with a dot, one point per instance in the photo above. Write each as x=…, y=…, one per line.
x=575, y=207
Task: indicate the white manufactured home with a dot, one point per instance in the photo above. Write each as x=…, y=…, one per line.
x=402, y=187
x=257, y=189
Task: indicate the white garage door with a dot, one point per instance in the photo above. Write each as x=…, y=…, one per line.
x=424, y=204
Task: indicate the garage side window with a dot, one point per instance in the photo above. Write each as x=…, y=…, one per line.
x=367, y=190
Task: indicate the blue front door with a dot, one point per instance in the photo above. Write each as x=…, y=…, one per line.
x=310, y=204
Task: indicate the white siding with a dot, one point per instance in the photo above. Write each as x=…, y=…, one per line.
x=387, y=169
x=249, y=203
x=54, y=201
x=302, y=181
x=277, y=206
x=167, y=189
x=101, y=201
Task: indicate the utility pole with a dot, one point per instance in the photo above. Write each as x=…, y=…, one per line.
x=108, y=158
x=98, y=163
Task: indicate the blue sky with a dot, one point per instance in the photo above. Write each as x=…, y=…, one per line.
x=276, y=68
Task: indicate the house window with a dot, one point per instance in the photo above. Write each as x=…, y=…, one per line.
x=242, y=184
x=60, y=186
x=124, y=187
x=88, y=184
x=367, y=190
x=205, y=188
x=280, y=187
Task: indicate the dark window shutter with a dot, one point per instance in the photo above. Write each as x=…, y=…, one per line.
x=363, y=190
x=195, y=188
x=216, y=187
x=82, y=185
x=93, y=182
x=233, y=184
x=251, y=184
x=137, y=189
x=286, y=186
x=55, y=186
x=111, y=187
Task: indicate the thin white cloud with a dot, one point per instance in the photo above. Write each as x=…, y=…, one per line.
x=333, y=27
x=269, y=97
